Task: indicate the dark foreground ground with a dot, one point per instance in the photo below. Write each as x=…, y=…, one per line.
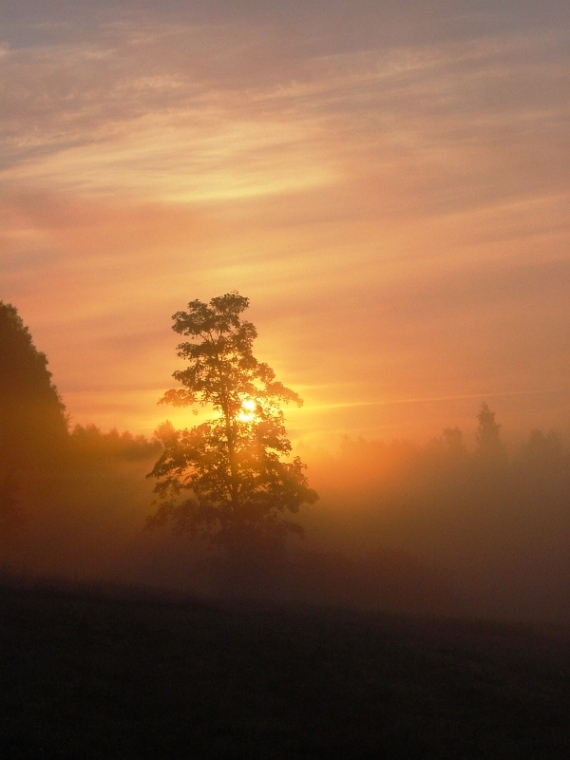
x=83, y=675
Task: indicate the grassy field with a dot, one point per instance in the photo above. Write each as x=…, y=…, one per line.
x=88, y=675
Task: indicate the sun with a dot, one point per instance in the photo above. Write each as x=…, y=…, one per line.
x=248, y=409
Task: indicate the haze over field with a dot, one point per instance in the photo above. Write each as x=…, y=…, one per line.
x=387, y=183
x=439, y=528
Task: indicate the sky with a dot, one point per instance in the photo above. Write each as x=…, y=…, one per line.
x=387, y=182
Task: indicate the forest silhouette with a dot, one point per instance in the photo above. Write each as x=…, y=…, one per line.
x=436, y=528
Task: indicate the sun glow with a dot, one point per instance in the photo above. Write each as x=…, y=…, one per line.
x=248, y=409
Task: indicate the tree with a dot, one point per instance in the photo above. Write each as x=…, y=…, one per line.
x=228, y=480
x=490, y=449
x=33, y=424
x=488, y=432
x=12, y=516
x=32, y=416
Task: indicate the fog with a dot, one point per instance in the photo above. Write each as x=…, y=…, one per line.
x=431, y=528
x=491, y=526
x=437, y=528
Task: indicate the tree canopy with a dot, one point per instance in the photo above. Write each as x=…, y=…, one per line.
x=33, y=425
x=229, y=480
x=32, y=415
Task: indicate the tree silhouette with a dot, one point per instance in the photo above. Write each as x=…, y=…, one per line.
x=32, y=415
x=33, y=425
x=11, y=512
x=490, y=448
x=226, y=480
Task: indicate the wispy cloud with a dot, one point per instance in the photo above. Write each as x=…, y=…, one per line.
x=388, y=184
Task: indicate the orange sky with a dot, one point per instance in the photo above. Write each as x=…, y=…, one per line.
x=388, y=185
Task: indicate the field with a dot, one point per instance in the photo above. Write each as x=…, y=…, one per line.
x=88, y=674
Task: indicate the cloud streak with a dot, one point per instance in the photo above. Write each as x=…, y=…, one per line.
x=391, y=194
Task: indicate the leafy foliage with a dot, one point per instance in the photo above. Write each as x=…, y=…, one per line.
x=227, y=480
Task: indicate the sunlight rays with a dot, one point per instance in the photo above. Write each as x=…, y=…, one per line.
x=391, y=194
x=248, y=410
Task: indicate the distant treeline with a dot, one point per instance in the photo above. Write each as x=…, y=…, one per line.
x=497, y=521
x=88, y=442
